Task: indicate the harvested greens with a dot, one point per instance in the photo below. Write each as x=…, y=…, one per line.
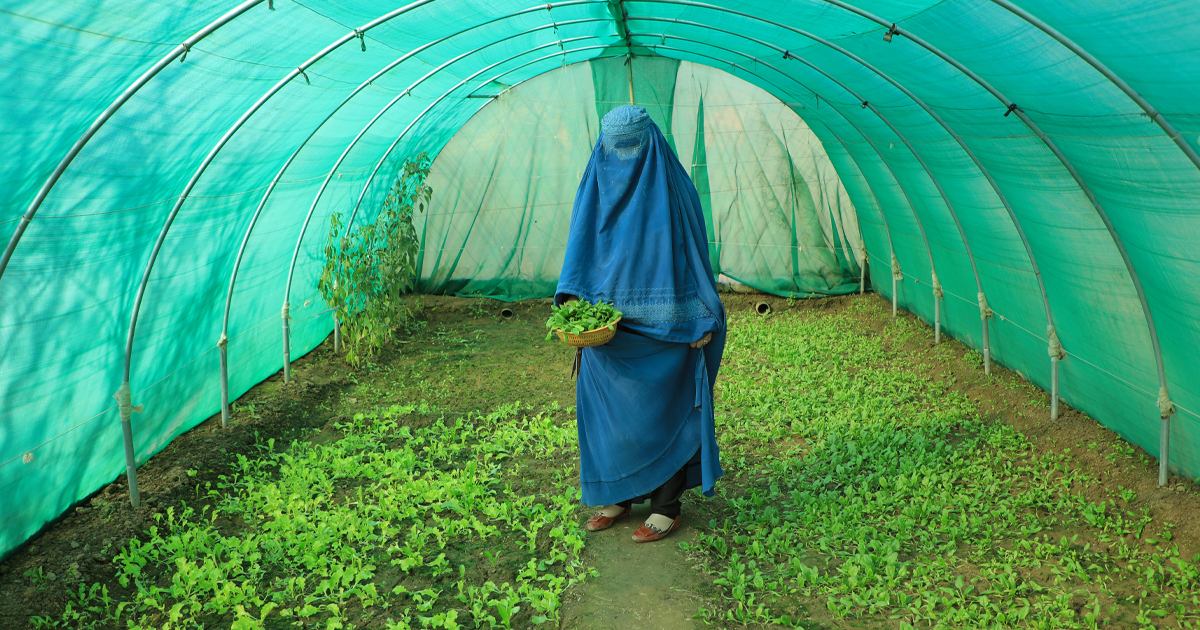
x=581, y=316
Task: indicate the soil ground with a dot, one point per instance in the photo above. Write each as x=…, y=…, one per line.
x=467, y=357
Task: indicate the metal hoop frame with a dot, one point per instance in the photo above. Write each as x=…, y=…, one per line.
x=356, y=33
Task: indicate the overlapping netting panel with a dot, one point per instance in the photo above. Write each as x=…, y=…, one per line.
x=779, y=219
x=153, y=149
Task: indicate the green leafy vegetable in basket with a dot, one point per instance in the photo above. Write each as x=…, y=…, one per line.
x=581, y=316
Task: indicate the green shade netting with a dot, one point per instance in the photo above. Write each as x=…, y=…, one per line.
x=77, y=258
x=497, y=226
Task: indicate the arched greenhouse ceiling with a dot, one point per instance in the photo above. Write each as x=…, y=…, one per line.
x=985, y=141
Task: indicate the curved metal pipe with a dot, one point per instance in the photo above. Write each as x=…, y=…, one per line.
x=908, y=199
x=408, y=90
x=759, y=61
x=275, y=181
x=975, y=159
x=48, y=185
x=320, y=191
x=1165, y=407
x=212, y=154
x=928, y=171
x=958, y=139
x=103, y=118
x=162, y=235
x=1092, y=61
x=313, y=206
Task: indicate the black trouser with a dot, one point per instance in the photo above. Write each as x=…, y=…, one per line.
x=667, y=499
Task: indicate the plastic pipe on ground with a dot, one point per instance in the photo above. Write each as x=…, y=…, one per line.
x=762, y=308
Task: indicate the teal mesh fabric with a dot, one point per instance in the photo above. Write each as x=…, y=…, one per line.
x=837, y=156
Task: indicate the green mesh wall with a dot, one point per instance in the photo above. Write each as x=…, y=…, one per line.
x=776, y=211
x=111, y=108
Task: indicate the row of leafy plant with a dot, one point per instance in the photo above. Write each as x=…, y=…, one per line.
x=369, y=269
x=891, y=500
x=390, y=526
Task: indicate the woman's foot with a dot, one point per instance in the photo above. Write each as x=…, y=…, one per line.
x=606, y=516
x=656, y=526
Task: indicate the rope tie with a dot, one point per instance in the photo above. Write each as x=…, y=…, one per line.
x=284, y=314
x=1166, y=408
x=1056, y=349
x=125, y=403
x=361, y=38
x=896, y=272
x=937, y=287
x=187, y=48
x=301, y=71
x=984, y=311
x=223, y=342
x=1012, y=107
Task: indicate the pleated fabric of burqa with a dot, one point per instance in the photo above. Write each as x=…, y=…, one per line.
x=644, y=400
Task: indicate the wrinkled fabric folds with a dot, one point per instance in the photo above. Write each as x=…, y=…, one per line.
x=644, y=400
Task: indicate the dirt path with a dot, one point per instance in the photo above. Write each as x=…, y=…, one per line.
x=650, y=586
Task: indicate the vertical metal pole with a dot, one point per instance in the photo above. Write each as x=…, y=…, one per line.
x=987, y=351
x=985, y=313
x=1164, y=448
x=897, y=273
x=629, y=65
x=893, y=296
x=287, y=350
x=130, y=462
x=938, y=294
x=862, y=273
x=223, y=344
x=1166, y=408
x=1053, y=389
x=937, y=320
x=127, y=409
x=337, y=334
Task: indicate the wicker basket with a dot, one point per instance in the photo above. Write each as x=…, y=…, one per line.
x=597, y=337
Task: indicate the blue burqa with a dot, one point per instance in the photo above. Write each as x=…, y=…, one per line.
x=644, y=400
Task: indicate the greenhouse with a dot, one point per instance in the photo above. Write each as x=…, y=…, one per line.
x=954, y=244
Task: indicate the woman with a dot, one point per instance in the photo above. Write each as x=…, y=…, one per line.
x=644, y=399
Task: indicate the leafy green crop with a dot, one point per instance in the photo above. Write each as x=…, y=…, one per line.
x=858, y=485
x=386, y=527
x=580, y=316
